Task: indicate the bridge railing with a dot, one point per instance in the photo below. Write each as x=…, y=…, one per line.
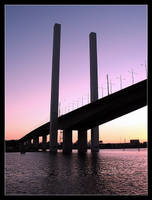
x=105, y=88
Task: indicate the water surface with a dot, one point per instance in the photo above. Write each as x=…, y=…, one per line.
x=109, y=172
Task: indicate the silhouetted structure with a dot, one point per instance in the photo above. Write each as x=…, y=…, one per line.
x=55, y=88
x=14, y=146
x=94, y=88
x=96, y=113
x=87, y=117
x=11, y=146
x=132, y=144
x=136, y=142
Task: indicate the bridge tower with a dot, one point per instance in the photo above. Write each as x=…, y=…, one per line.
x=55, y=87
x=94, y=87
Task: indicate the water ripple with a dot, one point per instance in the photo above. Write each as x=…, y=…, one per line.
x=110, y=172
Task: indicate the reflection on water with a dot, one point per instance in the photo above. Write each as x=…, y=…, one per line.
x=109, y=172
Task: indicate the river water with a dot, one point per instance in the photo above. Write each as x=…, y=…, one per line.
x=109, y=172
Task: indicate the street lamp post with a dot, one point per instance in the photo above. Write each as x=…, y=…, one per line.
x=132, y=75
x=121, y=79
x=107, y=84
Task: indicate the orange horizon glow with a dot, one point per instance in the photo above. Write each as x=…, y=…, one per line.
x=125, y=128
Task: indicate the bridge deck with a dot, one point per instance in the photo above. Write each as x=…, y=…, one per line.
x=100, y=111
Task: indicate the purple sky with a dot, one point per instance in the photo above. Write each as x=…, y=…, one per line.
x=121, y=44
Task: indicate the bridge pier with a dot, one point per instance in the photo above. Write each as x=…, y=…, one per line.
x=95, y=139
x=55, y=87
x=67, y=141
x=53, y=138
x=36, y=140
x=28, y=144
x=21, y=146
x=36, y=143
x=29, y=141
x=82, y=141
x=44, y=143
x=94, y=87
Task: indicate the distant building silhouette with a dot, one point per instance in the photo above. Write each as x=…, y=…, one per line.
x=134, y=142
x=13, y=145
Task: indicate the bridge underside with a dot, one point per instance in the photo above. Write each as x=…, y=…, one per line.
x=98, y=112
x=106, y=109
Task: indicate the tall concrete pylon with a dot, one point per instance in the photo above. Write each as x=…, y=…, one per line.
x=55, y=87
x=94, y=87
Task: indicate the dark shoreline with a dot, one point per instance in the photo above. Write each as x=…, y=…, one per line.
x=13, y=146
x=88, y=149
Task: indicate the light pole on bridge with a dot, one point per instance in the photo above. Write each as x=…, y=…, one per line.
x=132, y=75
x=107, y=84
x=121, y=79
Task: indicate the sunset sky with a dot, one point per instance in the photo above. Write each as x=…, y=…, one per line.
x=121, y=47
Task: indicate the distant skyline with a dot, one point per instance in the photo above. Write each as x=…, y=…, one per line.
x=122, y=47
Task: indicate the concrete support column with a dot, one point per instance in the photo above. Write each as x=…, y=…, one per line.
x=95, y=139
x=94, y=87
x=29, y=141
x=44, y=142
x=36, y=140
x=53, y=138
x=28, y=144
x=44, y=139
x=55, y=87
x=35, y=143
x=82, y=141
x=67, y=141
x=21, y=146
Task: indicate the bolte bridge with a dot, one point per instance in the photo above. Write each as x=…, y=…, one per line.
x=90, y=116
x=93, y=114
